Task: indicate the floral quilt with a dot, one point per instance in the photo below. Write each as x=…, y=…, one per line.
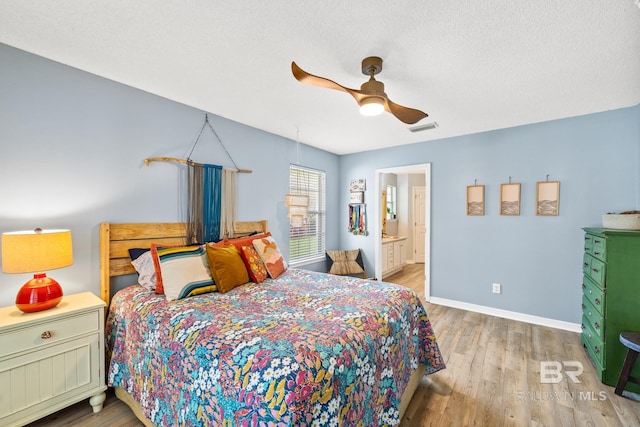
x=305, y=349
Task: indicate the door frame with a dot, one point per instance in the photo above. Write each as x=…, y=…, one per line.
x=424, y=168
x=413, y=207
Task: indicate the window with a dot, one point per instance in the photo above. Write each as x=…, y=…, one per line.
x=391, y=202
x=307, y=241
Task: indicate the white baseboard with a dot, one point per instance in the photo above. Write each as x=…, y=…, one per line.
x=513, y=315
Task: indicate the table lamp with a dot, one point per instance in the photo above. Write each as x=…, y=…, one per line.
x=35, y=252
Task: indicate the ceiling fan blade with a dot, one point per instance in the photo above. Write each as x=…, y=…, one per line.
x=404, y=114
x=310, y=79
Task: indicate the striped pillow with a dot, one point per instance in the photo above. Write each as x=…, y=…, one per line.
x=182, y=271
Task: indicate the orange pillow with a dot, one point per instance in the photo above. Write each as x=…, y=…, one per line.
x=227, y=267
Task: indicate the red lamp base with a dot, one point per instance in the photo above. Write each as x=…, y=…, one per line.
x=38, y=294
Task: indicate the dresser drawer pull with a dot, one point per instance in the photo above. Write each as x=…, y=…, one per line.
x=596, y=253
x=584, y=286
x=595, y=270
x=45, y=335
x=582, y=326
x=597, y=301
x=596, y=325
x=583, y=306
x=596, y=241
x=596, y=350
x=586, y=264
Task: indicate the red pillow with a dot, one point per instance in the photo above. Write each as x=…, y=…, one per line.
x=240, y=241
x=253, y=262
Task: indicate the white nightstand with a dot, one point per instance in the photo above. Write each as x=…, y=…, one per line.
x=51, y=359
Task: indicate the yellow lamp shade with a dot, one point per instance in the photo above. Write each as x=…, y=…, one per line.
x=35, y=252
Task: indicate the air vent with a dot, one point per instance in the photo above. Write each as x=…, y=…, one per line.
x=427, y=126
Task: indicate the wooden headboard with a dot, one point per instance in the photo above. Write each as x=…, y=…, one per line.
x=117, y=239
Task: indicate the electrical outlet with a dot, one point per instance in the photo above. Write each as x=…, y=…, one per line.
x=497, y=288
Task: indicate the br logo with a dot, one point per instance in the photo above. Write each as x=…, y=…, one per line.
x=551, y=371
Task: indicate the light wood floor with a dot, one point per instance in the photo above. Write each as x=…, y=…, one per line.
x=492, y=378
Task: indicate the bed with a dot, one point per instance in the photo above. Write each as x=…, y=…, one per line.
x=306, y=348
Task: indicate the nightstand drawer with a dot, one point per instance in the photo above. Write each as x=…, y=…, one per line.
x=45, y=333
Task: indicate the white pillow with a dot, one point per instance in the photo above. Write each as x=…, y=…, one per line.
x=146, y=271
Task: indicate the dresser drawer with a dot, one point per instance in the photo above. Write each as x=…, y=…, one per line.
x=595, y=318
x=588, y=243
x=599, y=248
x=594, y=294
x=586, y=263
x=592, y=341
x=44, y=333
x=598, y=271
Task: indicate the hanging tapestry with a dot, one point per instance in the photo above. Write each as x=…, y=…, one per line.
x=358, y=219
x=205, y=200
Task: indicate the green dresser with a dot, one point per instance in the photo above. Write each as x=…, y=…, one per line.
x=610, y=298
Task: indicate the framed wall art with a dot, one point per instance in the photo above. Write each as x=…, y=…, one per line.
x=356, y=197
x=548, y=198
x=475, y=200
x=357, y=184
x=510, y=199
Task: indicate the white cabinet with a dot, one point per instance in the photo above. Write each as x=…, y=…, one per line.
x=51, y=359
x=394, y=255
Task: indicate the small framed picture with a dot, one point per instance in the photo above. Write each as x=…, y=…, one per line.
x=357, y=184
x=475, y=200
x=510, y=199
x=548, y=198
x=357, y=197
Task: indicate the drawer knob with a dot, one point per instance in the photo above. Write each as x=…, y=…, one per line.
x=45, y=335
x=586, y=265
x=583, y=306
x=596, y=325
x=596, y=241
x=596, y=253
x=596, y=349
x=597, y=301
x=584, y=286
x=595, y=270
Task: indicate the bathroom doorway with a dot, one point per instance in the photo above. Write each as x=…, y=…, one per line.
x=412, y=224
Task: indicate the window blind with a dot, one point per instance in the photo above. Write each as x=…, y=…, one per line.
x=307, y=240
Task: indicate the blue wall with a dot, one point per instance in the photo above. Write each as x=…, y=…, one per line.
x=72, y=147
x=536, y=259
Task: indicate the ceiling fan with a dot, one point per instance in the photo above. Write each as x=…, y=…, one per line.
x=370, y=97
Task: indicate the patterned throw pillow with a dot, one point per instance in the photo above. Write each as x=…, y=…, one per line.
x=255, y=266
x=226, y=267
x=270, y=254
x=181, y=271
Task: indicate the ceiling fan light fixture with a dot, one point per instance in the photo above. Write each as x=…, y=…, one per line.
x=371, y=106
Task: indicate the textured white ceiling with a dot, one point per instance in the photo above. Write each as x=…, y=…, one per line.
x=472, y=65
